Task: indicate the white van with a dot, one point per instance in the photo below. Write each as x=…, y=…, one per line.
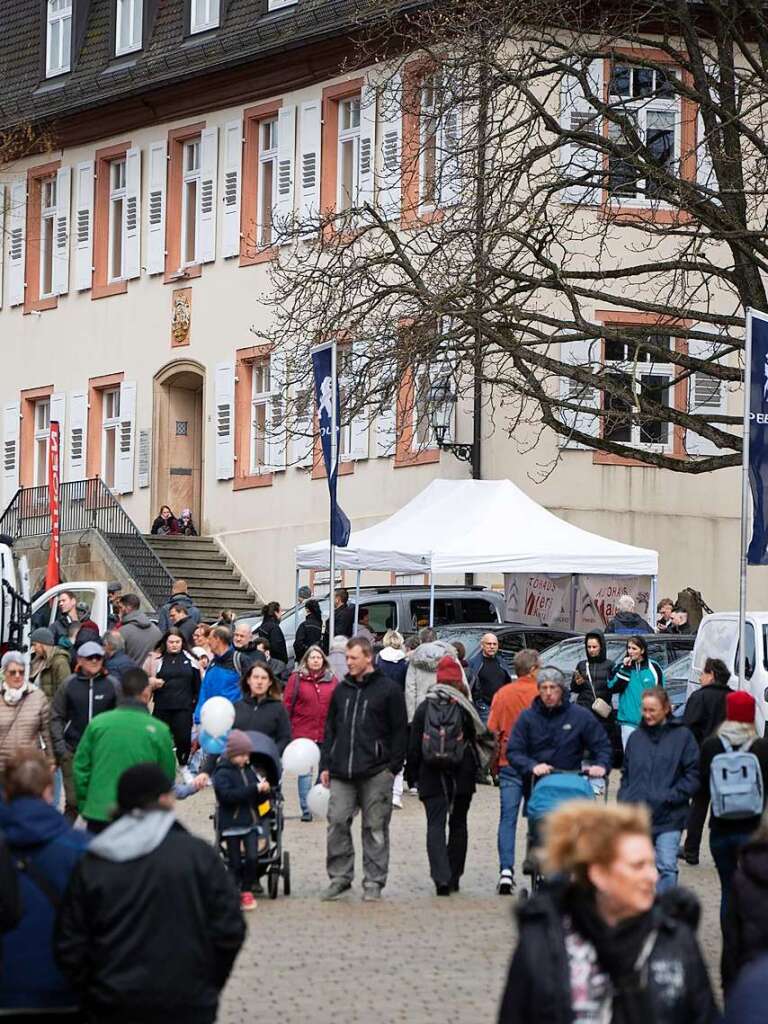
x=718, y=637
x=16, y=610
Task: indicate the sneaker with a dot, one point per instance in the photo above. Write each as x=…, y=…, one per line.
x=335, y=890
x=413, y=791
x=397, y=803
x=187, y=776
x=506, y=883
x=247, y=902
x=371, y=893
x=257, y=888
x=306, y=816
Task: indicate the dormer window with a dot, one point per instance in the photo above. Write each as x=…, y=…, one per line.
x=58, y=49
x=128, y=22
x=204, y=15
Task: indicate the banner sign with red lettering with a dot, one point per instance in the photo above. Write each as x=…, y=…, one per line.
x=53, y=572
x=547, y=600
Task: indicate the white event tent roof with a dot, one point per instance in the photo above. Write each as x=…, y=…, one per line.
x=491, y=526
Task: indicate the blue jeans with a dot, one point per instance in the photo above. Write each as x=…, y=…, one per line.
x=666, y=844
x=511, y=796
x=725, y=853
x=58, y=786
x=305, y=784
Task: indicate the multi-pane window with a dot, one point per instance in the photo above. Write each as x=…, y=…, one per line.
x=110, y=435
x=261, y=400
x=47, y=234
x=642, y=376
x=128, y=18
x=267, y=184
x=116, y=219
x=42, y=436
x=58, y=49
x=190, y=206
x=349, y=153
x=438, y=144
x=204, y=14
x=646, y=97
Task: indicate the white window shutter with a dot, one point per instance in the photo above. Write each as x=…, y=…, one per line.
x=209, y=160
x=59, y=412
x=233, y=158
x=386, y=431
x=224, y=396
x=367, y=144
x=286, y=156
x=126, y=438
x=145, y=456
x=311, y=127
x=78, y=434
x=276, y=435
x=11, y=417
x=577, y=114
x=158, y=173
x=391, y=135
x=17, y=244
x=302, y=441
x=132, y=214
x=84, y=225
x=450, y=157
x=359, y=428
x=706, y=395
x=61, y=232
x=2, y=240
x=578, y=353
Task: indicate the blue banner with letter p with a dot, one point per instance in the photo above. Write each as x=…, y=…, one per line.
x=756, y=376
x=326, y=393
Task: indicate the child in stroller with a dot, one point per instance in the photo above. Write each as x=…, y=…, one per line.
x=243, y=781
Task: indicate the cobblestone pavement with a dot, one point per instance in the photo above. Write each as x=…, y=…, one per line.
x=412, y=959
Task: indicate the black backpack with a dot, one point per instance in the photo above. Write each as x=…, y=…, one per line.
x=442, y=741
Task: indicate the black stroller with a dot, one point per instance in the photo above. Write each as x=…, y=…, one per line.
x=274, y=862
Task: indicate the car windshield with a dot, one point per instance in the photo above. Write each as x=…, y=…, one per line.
x=469, y=637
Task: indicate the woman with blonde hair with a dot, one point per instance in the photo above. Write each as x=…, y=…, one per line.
x=598, y=945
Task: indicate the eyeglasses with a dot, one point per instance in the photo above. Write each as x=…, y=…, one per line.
x=14, y=671
x=94, y=657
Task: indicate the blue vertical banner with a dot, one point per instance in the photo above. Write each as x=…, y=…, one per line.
x=327, y=396
x=756, y=374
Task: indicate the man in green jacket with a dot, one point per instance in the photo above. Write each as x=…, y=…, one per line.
x=117, y=740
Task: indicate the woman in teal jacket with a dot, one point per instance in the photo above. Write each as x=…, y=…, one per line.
x=631, y=675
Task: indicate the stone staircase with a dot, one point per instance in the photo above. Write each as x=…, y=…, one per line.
x=214, y=583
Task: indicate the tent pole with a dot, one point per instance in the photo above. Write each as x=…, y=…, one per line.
x=332, y=597
x=574, y=598
x=652, y=609
x=357, y=600
x=431, y=598
x=296, y=596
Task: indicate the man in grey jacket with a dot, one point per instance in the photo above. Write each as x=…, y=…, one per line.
x=141, y=636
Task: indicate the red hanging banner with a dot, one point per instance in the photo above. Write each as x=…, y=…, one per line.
x=53, y=572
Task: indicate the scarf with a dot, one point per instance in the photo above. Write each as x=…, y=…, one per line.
x=737, y=733
x=485, y=742
x=622, y=951
x=11, y=696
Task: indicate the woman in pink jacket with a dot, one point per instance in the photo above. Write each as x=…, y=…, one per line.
x=307, y=696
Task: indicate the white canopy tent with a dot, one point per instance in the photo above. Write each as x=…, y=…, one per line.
x=483, y=526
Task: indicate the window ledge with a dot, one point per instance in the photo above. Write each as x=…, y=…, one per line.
x=104, y=291
x=244, y=483
x=609, y=459
x=40, y=305
x=56, y=83
x=427, y=457
x=121, y=62
x=260, y=256
x=188, y=275
x=345, y=469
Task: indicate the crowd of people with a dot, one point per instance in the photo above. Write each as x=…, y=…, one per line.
x=108, y=729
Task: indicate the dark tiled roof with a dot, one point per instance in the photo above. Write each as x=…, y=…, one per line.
x=247, y=35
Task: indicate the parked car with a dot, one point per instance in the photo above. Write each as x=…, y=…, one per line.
x=666, y=650
x=513, y=637
x=406, y=609
x=676, y=678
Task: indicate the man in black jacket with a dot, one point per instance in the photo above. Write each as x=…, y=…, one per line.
x=364, y=748
x=343, y=617
x=150, y=925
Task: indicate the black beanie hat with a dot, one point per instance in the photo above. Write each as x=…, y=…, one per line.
x=141, y=786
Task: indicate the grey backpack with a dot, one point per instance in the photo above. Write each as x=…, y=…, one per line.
x=736, y=783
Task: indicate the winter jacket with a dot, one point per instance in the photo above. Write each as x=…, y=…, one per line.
x=538, y=987
x=309, y=633
x=36, y=833
x=55, y=672
x=557, y=736
x=26, y=724
x=628, y=623
x=141, y=636
x=118, y=664
x=710, y=748
x=422, y=672
x=366, y=728
x=266, y=715
x=337, y=662
x=280, y=668
x=237, y=795
x=746, y=999
x=597, y=670
x=181, y=682
x=393, y=663
x=508, y=704
x=629, y=683
x=431, y=779
x=163, y=527
x=487, y=676
x=745, y=935
x=163, y=618
x=705, y=710
x=270, y=629
x=306, y=699
x=77, y=701
x=221, y=680
x=343, y=623
x=661, y=769
x=112, y=743
x=144, y=883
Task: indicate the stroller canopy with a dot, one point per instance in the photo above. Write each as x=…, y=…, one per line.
x=553, y=790
x=262, y=745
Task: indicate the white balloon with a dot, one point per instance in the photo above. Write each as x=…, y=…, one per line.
x=318, y=799
x=217, y=716
x=301, y=757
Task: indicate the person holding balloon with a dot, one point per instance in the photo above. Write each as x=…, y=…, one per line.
x=307, y=697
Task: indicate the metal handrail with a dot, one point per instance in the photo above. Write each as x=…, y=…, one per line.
x=90, y=505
